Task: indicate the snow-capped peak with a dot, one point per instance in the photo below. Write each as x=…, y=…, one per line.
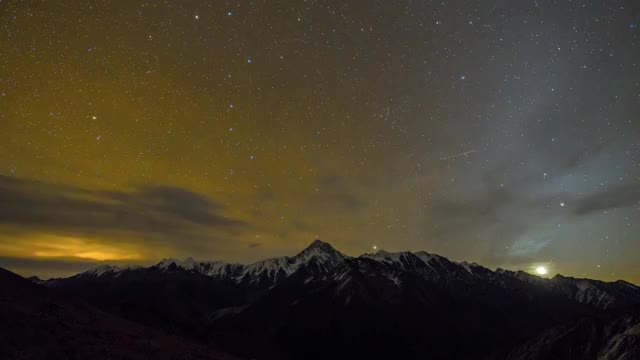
x=104, y=269
x=187, y=264
x=321, y=250
x=166, y=262
x=101, y=269
x=320, y=256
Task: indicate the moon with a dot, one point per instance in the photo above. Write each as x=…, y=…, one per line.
x=541, y=270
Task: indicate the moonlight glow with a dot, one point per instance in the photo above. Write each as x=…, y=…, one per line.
x=541, y=270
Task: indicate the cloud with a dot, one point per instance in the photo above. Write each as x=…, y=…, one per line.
x=496, y=219
x=150, y=212
x=335, y=193
x=615, y=197
x=583, y=156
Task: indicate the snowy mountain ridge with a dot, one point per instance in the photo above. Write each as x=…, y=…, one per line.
x=320, y=261
x=410, y=293
x=321, y=254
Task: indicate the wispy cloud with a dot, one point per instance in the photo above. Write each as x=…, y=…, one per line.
x=109, y=222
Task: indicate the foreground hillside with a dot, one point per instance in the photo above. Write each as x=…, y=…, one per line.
x=39, y=323
x=613, y=335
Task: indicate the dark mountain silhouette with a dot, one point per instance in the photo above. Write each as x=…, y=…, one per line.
x=323, y=304
x=40, y=323
x=607, y=336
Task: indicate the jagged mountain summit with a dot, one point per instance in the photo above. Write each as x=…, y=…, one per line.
x=319, y=257
x=399, y=301
x=320, y=260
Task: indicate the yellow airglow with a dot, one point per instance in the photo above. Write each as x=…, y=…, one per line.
x=53, y=246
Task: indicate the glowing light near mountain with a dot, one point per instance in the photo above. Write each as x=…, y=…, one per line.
x=541, y=270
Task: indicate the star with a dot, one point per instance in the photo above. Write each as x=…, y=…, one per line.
x=372, y=126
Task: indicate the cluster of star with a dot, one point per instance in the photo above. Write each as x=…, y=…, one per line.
x=404, y=125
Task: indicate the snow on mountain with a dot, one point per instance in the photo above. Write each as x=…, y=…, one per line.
x=105, y=269
x=319, y=255
x=320, y=261
x=387, y=257
x=166, y=262
x=602, y=294
x=468, y=266
x=306, y=293
x=430, y=265
x=597, y=293
x=101, y=269
x=320, y=251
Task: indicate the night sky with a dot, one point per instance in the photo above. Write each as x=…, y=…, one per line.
x=502, y=132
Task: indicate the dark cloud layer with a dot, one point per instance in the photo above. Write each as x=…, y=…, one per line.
x=337, y=194
x=620, y=196
x=146, y=211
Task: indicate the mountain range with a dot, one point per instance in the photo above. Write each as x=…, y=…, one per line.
x=322, y=304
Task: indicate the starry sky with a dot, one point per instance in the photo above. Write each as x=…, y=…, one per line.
x=501, y=132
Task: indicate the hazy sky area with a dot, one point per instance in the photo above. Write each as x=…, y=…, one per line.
x=501, y=132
